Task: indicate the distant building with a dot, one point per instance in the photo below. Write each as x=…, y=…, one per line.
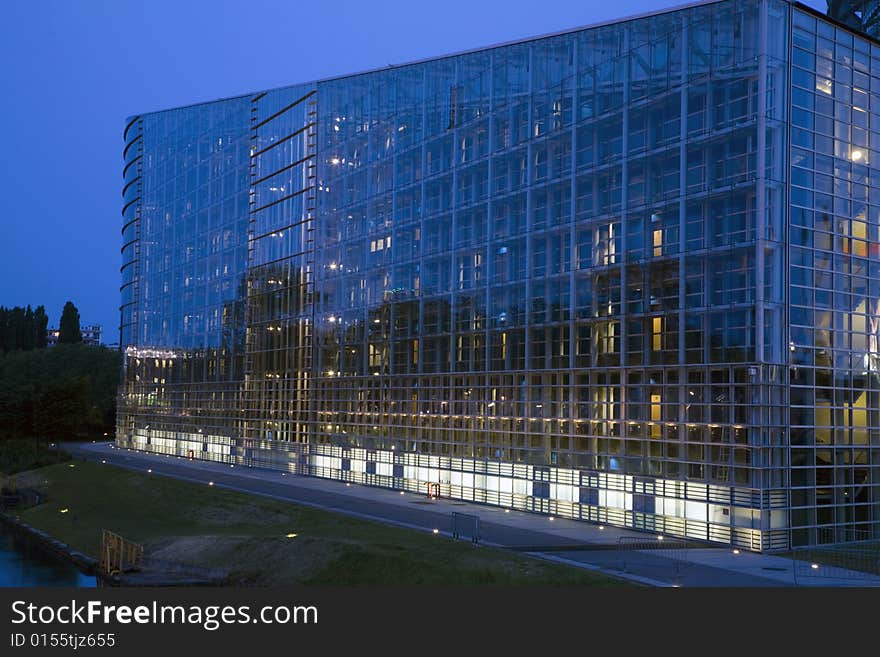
x=91, y=335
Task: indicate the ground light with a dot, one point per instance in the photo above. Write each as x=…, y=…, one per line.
x=736, y=551
x=436, y=531
x=210, y=483
x=291, y=535
x=814, y=566
x=64, y=510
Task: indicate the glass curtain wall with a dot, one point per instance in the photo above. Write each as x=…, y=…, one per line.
x=548, y=275
x=184, y=302
x=835, y=282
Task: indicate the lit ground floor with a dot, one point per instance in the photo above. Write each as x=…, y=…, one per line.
x=738, y=517
x=588, y=545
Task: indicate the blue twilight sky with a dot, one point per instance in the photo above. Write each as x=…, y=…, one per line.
x=71, y=71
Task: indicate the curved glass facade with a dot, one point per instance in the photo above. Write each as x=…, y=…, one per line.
x=556, y=275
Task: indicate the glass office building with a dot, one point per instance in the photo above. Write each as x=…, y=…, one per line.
x=628, y=274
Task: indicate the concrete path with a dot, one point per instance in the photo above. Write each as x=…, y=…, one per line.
x=575, y=543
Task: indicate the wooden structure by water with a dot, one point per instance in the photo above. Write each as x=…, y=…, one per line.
x=119, y=555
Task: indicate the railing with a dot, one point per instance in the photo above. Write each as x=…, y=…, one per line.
x=636, y=551
x=119, y=555
x=852, y=563
x=465, y=524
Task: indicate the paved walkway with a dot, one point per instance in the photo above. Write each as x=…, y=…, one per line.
x=580, y=544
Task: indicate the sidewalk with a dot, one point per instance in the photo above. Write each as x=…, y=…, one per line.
x=579, y=544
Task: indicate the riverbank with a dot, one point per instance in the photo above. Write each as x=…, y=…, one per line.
x=47, y=543
x=261, y=541
x=153, y=572
x=24, y=563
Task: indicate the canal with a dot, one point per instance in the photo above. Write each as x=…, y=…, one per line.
x=23, y=564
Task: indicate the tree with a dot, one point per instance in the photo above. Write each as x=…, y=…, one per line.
x=16, y=329
x=5, y=329
x=41, y=321
x=62, y=409
x=26, y=330
x=61, y=393
x=69, y=330
x=22, y=328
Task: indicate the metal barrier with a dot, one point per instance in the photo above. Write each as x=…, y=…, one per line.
x=847, y=565
x=636, y=551
x=849, y=555
x=9, y=484
x=119, y=555
x=465, y=524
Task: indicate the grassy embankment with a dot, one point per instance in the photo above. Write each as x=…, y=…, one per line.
x=21, y=455
x=248, y=535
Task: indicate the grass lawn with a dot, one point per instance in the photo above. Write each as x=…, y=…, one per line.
x=247, y=535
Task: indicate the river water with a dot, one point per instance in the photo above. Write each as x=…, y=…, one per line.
x=22, y=564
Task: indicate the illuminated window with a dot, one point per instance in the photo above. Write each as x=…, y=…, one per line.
x=656, y=415
x=657, y=333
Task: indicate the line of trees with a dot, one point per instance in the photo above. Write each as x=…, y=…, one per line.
x=62, y=393
x=22, y=328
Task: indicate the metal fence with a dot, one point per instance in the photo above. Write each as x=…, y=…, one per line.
x=854, y=563
x=119, y=555
x=466, y=525
x=660, y=554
